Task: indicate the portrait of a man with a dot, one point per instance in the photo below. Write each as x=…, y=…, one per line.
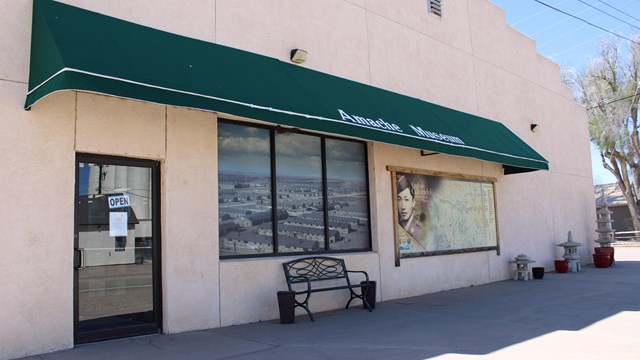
x=409, y=218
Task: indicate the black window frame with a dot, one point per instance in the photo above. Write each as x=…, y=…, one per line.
x=273, y=129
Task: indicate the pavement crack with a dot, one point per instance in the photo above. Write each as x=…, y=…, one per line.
x=273, y=346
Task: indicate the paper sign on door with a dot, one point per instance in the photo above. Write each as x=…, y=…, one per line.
x=118, y=224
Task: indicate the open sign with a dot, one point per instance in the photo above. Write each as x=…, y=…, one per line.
x=119, y=201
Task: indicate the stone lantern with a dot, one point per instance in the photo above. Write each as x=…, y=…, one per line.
x=571, y=253
x=522, y=262
x=605, y=232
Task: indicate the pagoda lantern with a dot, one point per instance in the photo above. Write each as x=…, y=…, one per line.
x=571, y=253
x=522, y=262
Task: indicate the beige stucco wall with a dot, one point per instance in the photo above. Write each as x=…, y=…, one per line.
x=107, y=125
x=36, y=230
x=469, y=60
x=194, y=19
x=337, y=42
x=189, y=209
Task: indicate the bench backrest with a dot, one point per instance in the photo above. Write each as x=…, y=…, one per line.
x=314, y=268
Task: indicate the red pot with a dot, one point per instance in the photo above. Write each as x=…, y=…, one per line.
x=601, y=260
x=607, y=250
x=562, y=266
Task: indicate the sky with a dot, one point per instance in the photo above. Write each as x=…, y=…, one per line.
x=571, y=42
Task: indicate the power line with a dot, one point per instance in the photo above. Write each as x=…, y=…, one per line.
x=606, y=13
x=546, y=43
x=583, y=20
x=611, y=102
x=553, y=25
x=570, y=32
x=536, y=14
x=618, y=10
x=582, y=43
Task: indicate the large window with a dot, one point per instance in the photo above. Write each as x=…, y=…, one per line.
x=290, y=192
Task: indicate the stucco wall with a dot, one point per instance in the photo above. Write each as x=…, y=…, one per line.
x=189, y=209
x=36, y=230
x=37, y=182
x=194, y=19
x=469, y=60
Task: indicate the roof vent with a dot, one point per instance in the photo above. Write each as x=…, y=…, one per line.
x=435, y=7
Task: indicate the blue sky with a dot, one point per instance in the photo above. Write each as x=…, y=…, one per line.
x=569, y=41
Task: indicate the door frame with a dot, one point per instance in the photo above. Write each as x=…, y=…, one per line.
x=114, y=333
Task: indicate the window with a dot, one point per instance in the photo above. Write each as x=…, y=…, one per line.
x=347, y=194
x=435, y=7
x=299, y=188
x=290, y=193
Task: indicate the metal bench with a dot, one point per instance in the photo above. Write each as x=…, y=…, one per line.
x=316, y=269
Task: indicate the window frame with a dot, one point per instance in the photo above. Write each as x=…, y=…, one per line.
x=273, y=130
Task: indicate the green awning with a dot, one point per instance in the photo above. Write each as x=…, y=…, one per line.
x=75, y=49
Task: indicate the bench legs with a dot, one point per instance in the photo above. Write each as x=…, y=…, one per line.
x=365, y=288
x=305, y=305
x=309, y=313
x=368, y=297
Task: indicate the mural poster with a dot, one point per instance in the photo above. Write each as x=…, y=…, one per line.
x=439, y=215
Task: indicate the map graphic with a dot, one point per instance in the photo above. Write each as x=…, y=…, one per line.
x=454, y=214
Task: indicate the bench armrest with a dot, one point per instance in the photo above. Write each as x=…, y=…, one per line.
x=366, y=276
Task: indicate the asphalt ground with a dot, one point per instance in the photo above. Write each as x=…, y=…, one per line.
x=592, y=314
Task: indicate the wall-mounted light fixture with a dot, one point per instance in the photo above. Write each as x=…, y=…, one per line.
x=427, y=153
x=298, y=56
x=535, y=127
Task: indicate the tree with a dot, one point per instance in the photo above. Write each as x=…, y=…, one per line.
x=608, y=87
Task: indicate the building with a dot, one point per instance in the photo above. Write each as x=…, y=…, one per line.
x=611, y=195
x=419, y=122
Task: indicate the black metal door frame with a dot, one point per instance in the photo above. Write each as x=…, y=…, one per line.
x=120, y=332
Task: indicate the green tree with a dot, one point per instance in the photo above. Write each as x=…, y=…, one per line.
x=608, y=87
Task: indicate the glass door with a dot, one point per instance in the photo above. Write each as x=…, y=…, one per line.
x=116, y=247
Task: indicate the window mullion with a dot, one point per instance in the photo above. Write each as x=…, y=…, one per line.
x=274, y=191
x=325, y=194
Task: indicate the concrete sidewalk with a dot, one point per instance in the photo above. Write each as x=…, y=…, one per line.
x=594, y=314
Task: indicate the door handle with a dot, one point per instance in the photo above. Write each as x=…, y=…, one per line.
x=80, y=252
